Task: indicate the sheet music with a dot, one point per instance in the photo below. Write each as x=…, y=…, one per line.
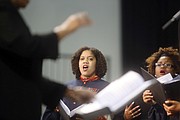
x=165, y=78
x=118, y=93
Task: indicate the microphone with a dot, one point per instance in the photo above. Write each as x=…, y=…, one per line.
x=175, y=17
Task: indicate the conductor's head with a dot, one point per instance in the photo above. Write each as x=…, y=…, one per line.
x=19, y=3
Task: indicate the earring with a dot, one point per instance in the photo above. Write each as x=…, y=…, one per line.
x=176, y=74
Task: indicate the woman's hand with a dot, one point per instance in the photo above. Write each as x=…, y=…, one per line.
x=132, y=112
x=171, y=107
x=71, y=24
x=148, y=97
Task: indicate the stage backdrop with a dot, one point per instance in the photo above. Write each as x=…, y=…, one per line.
x=142, y=35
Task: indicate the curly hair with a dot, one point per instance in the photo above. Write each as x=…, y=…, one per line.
x=101, y=65
x=170, y=52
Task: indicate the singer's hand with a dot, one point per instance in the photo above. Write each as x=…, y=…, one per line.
x=171, y=107
x=148, y=97
x=132, y=111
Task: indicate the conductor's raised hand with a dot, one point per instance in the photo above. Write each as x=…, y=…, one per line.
x=72, y=23
x=80, y=95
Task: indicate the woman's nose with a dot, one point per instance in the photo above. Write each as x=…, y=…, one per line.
x=86, y=61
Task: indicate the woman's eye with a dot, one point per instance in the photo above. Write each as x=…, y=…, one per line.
x=81, y=58
x=91, y=59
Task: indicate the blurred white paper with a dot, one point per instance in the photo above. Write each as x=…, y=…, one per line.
x=165, y=78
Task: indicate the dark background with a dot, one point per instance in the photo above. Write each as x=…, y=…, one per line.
x=142, y=33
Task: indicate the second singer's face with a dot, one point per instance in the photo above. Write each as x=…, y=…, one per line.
x=87, y=64
x=164, y=66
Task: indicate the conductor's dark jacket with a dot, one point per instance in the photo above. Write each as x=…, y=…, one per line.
x=22, y=87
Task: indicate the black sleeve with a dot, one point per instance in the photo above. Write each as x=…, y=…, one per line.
x=16, y=37
x=51, y=92
x=118, y=116
x=50, y=115
x=157, y=112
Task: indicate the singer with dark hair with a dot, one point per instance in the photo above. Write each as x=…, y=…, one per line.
x=160, y=63
x=89, y=67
